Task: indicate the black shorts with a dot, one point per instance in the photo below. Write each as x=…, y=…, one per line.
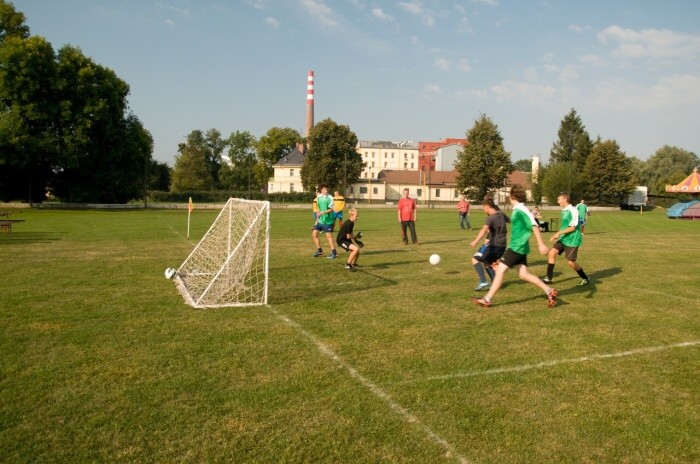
x=512, y=259
x=345, y=244
x=570, y=253
x=491, y=254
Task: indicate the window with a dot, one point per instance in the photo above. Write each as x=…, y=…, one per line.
x=420, y=192
x=291, y=173
x=372, y=163
x=372, y=154
x=363, y=190
x=405, y=165
x=413, y=155
x=352, y=189
x=366, y=153
x=385, y=163
x=456, y=193
x=291, y=188
x=392, y=156
x=375, y=190
x=437, y=193
x=411, y=165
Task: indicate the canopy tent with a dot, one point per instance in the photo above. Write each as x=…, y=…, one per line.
x=685, y=210
x=691, y=184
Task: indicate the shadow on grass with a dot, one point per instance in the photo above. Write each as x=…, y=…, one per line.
x=395, y=263
x=29, y=237
x=381, y=252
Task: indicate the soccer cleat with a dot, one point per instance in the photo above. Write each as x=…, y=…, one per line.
x=481, y=286
x=333, y=255
x=546, y=280
x=552, y=298
x=318, y=253
x=483, y=302
x=583, y=282
x=350, y=267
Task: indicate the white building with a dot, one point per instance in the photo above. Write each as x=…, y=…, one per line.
x=381, y=156
x=287, y=173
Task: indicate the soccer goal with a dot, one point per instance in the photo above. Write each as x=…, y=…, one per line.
x=229, y=266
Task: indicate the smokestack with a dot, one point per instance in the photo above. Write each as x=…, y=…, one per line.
x=309, y=102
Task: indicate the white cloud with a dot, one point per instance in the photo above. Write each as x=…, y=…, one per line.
x=670, y=93
x=180, y=11
x=460, y=9
x=463, y=65
x=487, y=2
x=272, y=22
x=257, y=4
x=432, y=89
x=414, y=8
x=534, y=93
x=594, y=60
x=443, y=63
x=577, y=28
x=379, y=14
x=650, y=43
x=170, y=22
x=322, y=12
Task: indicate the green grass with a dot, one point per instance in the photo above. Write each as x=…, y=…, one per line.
x=100, y=359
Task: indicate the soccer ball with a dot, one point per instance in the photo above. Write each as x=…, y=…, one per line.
x=170, y=272
x=434, y=259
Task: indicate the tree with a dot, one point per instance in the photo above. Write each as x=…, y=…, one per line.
x=669, y=165
x=608, y=173
x=191, y=171
x=239, y=175
x=331, y=158
x=574, y=143
x=158, y=176
x=12, y=22
x=562, y=177
x=483, y=164
x=276, y=143
x=524, y=165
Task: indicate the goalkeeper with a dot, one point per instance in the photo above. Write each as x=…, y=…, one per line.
x=346, y=237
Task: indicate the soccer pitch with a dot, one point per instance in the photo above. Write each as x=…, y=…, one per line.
x=102, y=361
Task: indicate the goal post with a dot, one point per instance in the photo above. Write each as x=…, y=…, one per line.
x=230, y=264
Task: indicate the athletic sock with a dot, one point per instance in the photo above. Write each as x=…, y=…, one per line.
x=480, y=271
x=491, y=273
x=582, y=274
x=550, y=271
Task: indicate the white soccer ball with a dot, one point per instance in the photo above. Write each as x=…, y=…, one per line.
x=434, y=259
x=170, y=272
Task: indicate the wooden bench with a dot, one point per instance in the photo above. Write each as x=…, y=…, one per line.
x=6, y=225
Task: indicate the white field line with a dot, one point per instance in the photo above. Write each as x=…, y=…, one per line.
x=527, y=367
x=666, y=294
x=405, y=414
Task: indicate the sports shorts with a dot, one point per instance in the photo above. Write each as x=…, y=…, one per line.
x=327, y=228
x=491, y=254
x=337, y=215
x=512, y=259
x=345, y=244
x=570, y=253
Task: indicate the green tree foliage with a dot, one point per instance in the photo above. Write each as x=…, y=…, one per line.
x=276, y=143
x=483, y=164
x=562, y=177
x=524, y=165
x=574, y=143
x=608, y=174
x=669, y=165
x=216, y=146
x=12, y=22
x=239, y=174
x=191, y=170
x=331, y=157
x=158, y=176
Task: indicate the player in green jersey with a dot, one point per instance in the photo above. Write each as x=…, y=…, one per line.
x=324, y=222
x=583, y=214
x=522, y=227
x=567, y=240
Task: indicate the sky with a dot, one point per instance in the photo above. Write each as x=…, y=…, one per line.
x=397, y=70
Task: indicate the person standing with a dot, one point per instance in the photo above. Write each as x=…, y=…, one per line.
x=407, y=217
x=567, y=241
x=345, y=238
x=324, y=222
x=495, y=229
x=338, y=207
x=523, y=225
x=583, y=214
x=463, y=208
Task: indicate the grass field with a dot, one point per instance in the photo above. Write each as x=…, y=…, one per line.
x=101, y=361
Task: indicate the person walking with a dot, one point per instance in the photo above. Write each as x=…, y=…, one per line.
x=583, y=214
x=407, y=217
x=324, y=222
x=495, y=229
x=463, y=208
x=567, y=241
x=523, y=225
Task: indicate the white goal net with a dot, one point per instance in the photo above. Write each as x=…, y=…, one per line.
x=229, y=266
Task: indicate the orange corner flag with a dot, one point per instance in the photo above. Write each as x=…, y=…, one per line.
x=190, y=207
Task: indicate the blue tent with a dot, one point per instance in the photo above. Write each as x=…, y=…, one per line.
x=676, y=211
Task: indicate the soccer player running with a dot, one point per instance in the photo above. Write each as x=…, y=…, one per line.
x=324, y=222
x=567, y=241
x=582, y=209
x=345, y=237
x=495, y=227
x=522, y=226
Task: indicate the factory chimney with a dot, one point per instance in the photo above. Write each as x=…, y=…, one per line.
x=309, y=102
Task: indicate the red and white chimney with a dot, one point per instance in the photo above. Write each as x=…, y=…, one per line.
x=309, y=102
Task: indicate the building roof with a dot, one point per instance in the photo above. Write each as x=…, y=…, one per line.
x=690, y=184
x=293, y=158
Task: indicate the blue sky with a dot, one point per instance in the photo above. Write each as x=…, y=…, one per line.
x=397, y=70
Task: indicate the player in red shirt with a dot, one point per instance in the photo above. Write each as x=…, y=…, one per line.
x=407, y=217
